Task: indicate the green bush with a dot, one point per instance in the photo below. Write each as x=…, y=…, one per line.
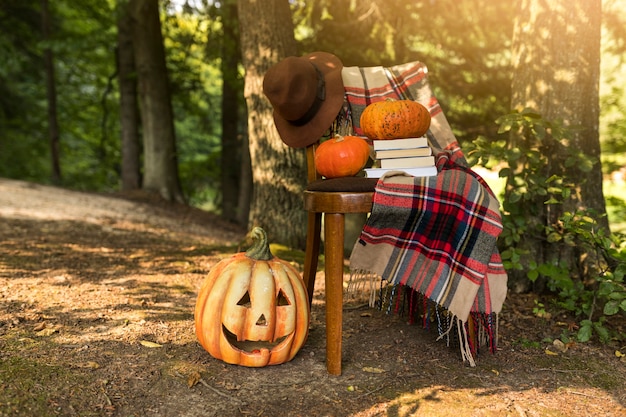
x=600, y=292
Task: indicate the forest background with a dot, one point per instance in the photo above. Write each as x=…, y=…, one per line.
x=67, y=53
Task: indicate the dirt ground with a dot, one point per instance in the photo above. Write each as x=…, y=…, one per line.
x=96, y=319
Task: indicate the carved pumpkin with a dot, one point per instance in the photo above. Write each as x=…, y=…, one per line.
x=395, y=119
x=341, y=156
x=252, y=309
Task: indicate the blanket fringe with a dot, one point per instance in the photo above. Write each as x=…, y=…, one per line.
x=362, y=284
x=477, y=331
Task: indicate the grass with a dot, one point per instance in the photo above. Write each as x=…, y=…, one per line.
x=23, y=375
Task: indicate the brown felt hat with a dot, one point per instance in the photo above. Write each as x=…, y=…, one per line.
x=307, y=94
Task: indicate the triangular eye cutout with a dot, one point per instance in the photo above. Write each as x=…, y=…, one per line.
x=281, y=299
x=245, y=300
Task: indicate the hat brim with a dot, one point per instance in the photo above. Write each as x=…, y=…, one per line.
x=309, y=133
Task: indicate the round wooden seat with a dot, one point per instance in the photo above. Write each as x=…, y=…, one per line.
x=338, y=202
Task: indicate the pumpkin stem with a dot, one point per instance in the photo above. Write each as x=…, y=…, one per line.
x=260, y=249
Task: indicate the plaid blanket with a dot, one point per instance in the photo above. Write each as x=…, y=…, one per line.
x=432, y=238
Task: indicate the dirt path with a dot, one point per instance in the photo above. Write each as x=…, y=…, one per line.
x=96, y=319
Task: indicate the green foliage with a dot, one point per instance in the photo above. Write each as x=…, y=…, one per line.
x=601, y=292
x=84, y=42
x=196, y=100
x=23, y=147
x=82, y=38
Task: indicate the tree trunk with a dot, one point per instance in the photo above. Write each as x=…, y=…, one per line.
x=278, y=171
x=129, y=108
x=51, y=95
x=160, y=159
x=232, y=90
x=245, y=184
x=556, y=67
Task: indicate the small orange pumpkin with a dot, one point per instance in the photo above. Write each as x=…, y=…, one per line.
x=395, y=119
x=252, y=309
x=341, y=156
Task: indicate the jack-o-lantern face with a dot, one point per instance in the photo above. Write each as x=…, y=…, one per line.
x=252, y=312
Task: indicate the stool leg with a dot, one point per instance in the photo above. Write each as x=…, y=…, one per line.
x=472, y=336
x=333, y=233
x=311, y=254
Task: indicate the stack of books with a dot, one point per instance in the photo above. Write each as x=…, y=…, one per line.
x=411, y=155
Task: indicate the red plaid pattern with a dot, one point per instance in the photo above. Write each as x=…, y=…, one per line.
x=432, y=236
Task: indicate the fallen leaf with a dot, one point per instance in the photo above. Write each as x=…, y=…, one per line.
x=559, y=346
x=619, y=354
x=48, y=331
x=39, y=326
x=372, y=370
x=549, y=352
x=89, y=365
x=495, y=371
x=193, y=379
x=149, y=344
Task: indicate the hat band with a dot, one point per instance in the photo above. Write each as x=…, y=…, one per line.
x=320, y=96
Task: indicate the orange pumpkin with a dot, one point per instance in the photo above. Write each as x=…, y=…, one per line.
x=253, y=309
x=395, y=119
x=341, y=156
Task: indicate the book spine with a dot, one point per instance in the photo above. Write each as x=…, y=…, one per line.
x=402, y=153
x=405, y=143
x=411, y=162
x=416, y=172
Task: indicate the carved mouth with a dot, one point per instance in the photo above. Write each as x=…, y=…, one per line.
x=253, y=346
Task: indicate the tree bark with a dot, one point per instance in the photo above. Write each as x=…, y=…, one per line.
x=129, y=107
x=51, y=95
x=245, y=184
x=160, y=159
x=278, y=171
x=556, y=67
